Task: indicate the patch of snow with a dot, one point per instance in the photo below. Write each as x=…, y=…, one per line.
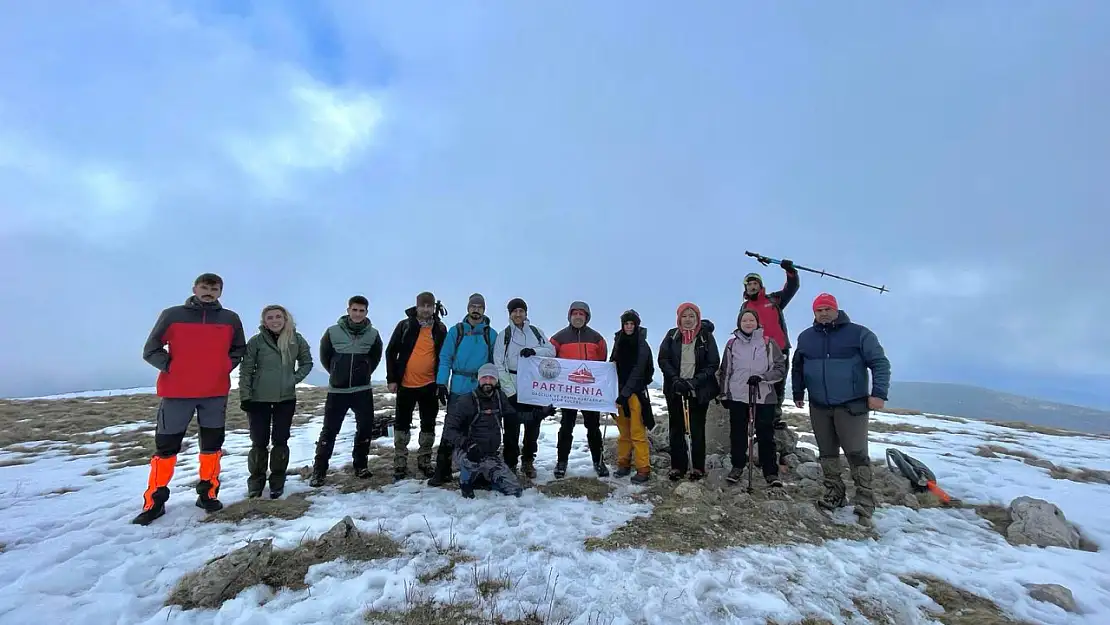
x=77, y=554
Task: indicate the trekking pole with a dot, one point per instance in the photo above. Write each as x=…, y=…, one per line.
x=751, y=434
x=767, y=260
x=686, y=413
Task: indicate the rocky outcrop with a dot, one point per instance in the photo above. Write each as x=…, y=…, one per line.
x=1055, y=594
x=224, y=577
x=1039, y=522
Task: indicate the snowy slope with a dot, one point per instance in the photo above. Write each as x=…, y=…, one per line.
x=74, y=558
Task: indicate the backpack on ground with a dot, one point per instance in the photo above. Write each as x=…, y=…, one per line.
x=921, y=478
x=460, y=332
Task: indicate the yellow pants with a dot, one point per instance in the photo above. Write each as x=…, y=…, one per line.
x=633, y=443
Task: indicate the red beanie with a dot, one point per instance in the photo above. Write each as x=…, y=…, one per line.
x=824, y=299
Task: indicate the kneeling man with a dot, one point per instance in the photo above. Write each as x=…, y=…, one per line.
x=473, y=428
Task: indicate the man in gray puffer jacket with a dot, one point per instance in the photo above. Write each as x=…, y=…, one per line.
x=473, y=429
x=832, y=362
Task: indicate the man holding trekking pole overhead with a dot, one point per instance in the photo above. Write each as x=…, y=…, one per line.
x=832, y=362
x=769, y=307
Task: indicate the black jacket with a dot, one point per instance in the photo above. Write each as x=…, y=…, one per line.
x=472, y=418
x=635, y=378
x=707, y=359
x=402, y=342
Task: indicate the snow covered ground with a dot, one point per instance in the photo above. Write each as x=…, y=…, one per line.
x=71, y=555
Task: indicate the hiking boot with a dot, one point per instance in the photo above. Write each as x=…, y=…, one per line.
x=146, y=517
x=696, y=475
x=775, y=488
x=601, y=469
x=560, y=470
x=676, y=475
x=622, y=472
x=319, y=476
x=834, y=496
x=734, y=475
x=257, y=459
x=208, y=488
x=399, y=475
x=401, y=440
x=424, y=455
x=640, y=477
x=529, y=469
x=467, y=490
x=363, y=473
x=864, y=499
x=279, y=464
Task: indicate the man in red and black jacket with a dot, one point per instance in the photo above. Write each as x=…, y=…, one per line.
x=580, y=342
x=769, y=310
x=206, y=343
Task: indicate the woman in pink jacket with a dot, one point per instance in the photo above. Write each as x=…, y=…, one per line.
x=751, y=361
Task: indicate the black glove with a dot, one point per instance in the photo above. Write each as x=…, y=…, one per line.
x=787, y=265
x=473, y=453
x=442, y=394
x=683, y=386
x=754, y=380
x=527, y=352
x=246, y=405
x=549, y=411
x=622, y=401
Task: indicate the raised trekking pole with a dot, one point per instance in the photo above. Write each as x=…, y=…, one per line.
x=767, y=260
x=752, y=397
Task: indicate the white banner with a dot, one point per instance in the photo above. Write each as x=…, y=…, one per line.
x=567, y=383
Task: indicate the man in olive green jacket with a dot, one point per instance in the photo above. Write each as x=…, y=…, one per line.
x=276, y=361
x=350, y=351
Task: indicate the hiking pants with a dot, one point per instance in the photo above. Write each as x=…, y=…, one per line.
x=271, y=420
x=409, y=399
x=679, y=458
x=780, y=386
x=492, y=469
x=841, y=427
x=444, y=451
x=592, y=420
x=335, y=410
x=764, y=429
x=529, y=417
x=174, y=416
x=632, y=444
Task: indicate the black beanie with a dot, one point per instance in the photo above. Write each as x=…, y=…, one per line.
x=630, y=315
x=515, y=303
x=425, y=298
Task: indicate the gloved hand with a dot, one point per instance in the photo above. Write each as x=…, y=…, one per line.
x=622, y=401
x=549, y=411
x=683, y=386
x=527, y=352
x=473, y=453
x=442, y=394
x=754, y=380
x=246, y=405
x=787, y=266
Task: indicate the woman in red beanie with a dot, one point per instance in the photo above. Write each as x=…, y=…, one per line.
x=689, y=360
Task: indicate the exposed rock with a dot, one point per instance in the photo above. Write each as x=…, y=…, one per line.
x=716, y=461
x=1040, y=463
x=224, y=577
x=786, y=441
x=775, y=507
x=1038, y=522
x=717, y=430
x=689, y=490
x=659, y=437
x=910, y=501
x=661, y=461
x=811, y=488
x=809, y=512
x=791, y=461
x=810, y=471
x=805, y=454
x=743, y=499
x=1054, y=594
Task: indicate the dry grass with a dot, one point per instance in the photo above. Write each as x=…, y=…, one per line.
x=14, y=462
x=906, y=412
x=1082, y=474
x=809, y=620
x=292, y=507
x=93, y=472
x=574, y=487
x=960, y=607
x=1043, y=429
x=881, y=427
x=447, y=571
x=64, y=490
x=342, y=478
x=940, y=417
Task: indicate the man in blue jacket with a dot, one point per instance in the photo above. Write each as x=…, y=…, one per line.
x=831, y=361
x=468, y=346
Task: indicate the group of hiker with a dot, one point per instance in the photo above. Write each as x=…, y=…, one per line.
x=471, y=370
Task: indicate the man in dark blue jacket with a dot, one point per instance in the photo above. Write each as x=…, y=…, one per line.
x=831, y=361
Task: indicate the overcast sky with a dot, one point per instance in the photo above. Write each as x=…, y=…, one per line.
x=625, y=153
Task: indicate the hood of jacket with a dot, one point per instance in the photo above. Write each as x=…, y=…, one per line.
x=579, y=305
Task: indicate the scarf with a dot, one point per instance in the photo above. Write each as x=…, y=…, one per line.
x=688, y=335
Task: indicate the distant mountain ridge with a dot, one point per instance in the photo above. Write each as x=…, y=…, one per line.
x=974, y=402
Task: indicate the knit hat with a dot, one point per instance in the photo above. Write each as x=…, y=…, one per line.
x=476, y=300
x=630, y=315
x=487, y=370
x=753, y=276
x=515, y=303
x=824, y=299
x=583, y=306
x=425, y=298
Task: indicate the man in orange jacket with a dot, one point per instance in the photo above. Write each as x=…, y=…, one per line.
x=580, y=342
x=206, y=343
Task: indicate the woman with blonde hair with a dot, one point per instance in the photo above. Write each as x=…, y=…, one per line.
x=277, y=360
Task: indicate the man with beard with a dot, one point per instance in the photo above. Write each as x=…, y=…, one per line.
x=412, y=362
x=579, y=341
x=473, y=428
x=206, y=342
x=521, y=339
x=769, y=309
x=468, y=346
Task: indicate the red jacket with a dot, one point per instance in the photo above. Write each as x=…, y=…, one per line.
x=579, y=344
x=206, y=342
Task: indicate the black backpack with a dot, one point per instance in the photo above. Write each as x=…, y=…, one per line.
x=460, y=332
x=509, y=336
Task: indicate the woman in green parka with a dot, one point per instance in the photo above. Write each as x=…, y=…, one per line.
x=277, y=360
